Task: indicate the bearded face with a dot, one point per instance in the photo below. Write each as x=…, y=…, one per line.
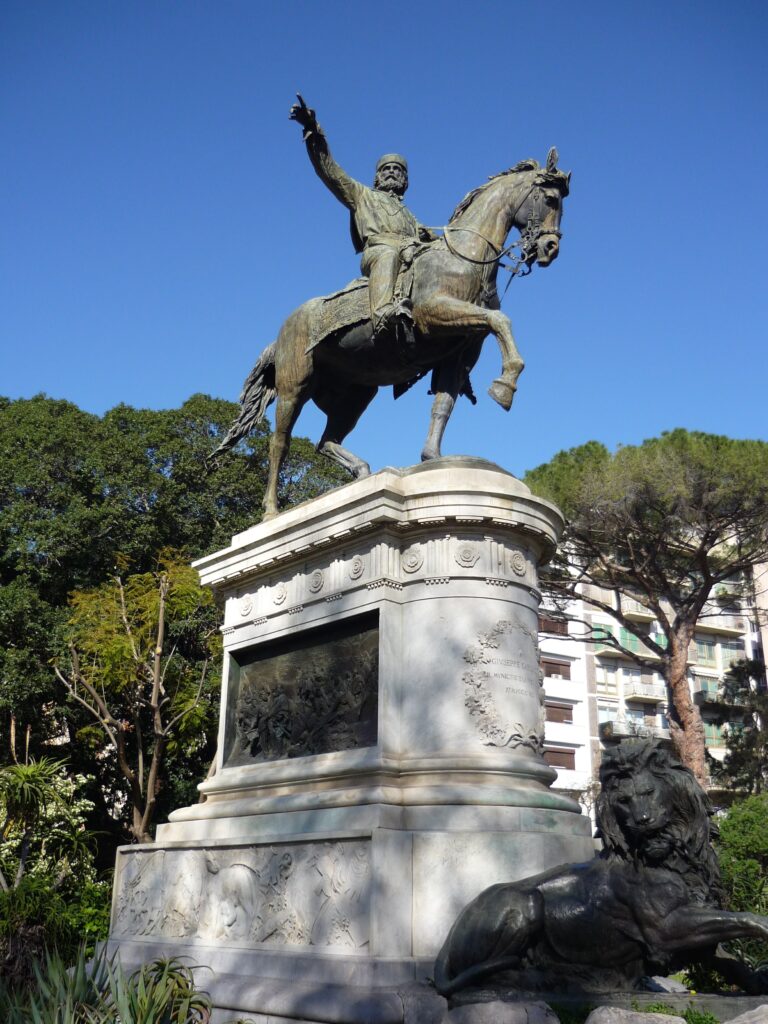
x=391, y=177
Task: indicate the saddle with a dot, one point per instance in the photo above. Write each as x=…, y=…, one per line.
x=351, y=305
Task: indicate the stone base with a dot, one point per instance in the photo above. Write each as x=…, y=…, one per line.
x=380, y=750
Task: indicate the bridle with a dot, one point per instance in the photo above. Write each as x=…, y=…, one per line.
x=522, y=264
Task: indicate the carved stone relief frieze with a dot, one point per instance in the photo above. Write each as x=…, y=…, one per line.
x=503, y=677
x=309, y=894
x=356, y=568
x=280, y=594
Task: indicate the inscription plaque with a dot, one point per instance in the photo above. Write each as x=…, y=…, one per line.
x=312, y=693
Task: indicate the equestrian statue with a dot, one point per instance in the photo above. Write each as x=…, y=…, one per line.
x=424, y=305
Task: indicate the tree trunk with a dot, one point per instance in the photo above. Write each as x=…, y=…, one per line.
x=687, y=726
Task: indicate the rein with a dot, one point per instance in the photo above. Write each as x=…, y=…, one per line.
x=528, y=238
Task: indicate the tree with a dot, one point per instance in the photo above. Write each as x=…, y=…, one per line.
x=80, y=494
x=661, y=524
x=745, y=708
x=139, y=665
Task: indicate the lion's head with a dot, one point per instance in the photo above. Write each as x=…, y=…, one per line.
x=652, y=810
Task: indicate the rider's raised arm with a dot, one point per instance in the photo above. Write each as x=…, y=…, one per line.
x=346, y=189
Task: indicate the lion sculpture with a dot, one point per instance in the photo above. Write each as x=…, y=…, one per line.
x=649, y=903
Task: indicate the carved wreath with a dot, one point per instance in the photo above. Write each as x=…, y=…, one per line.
x=480, y=701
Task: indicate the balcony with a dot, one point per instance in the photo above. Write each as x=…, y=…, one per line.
x=651, y=692
x=616, y=729
x=705, y=690
x=714, y=621
x=636, y=611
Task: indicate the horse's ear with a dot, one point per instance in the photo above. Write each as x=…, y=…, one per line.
x=552, y=158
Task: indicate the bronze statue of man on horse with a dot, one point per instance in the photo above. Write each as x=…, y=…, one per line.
x=383, y=229
x=338, y=350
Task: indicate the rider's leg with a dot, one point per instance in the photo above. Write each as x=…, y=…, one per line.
x=456, y=316
x=381, y=264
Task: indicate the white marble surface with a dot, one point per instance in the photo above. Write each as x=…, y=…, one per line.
x=363, y=857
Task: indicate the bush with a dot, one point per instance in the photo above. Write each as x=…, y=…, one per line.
x=51, y=896
x=743, y=853
x=100, y=992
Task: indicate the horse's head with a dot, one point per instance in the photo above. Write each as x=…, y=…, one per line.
x=538, y=215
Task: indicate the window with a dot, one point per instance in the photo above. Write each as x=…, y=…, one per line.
x=661, y=639
x=559, y=713
x=600, y=633
x=556, y=626
x=631, y=675
x=705, y=650
x=713, y=734
x=606, y=713
x=560, y=758
x=605, y=677
x=629, y=640
x=732, y=650
x=635, y=715
x=556, y=668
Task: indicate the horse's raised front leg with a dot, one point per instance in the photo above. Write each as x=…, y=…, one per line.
x=443, y=314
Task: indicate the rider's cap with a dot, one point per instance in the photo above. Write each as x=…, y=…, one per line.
x=392, y=158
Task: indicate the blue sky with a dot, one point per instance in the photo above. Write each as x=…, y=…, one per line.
x=160, y=218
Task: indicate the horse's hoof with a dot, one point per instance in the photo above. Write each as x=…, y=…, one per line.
x=503, y=392
x=266, y=516
x=361, y=472
x=427, y=456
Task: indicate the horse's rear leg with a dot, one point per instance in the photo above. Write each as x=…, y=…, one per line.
x=343, y=410
x=287, y=412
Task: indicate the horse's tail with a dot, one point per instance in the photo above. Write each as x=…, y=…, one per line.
x=258, y=393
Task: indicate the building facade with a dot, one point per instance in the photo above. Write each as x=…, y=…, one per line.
x=595, y=695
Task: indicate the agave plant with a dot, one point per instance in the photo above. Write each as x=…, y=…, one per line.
x=60, y=994
x=99, y=991
x=161, y=992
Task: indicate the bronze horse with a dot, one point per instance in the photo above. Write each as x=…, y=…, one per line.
x=455, y=305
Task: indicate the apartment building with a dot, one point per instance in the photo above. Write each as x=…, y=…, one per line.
x=596, y=695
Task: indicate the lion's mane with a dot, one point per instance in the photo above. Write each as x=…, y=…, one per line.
x=690, y=827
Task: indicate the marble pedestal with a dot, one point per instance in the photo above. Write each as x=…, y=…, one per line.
x=379, y=750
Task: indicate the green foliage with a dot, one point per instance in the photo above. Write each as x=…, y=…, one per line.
x=100, y=992
x=742, y=849
x=49, y=893
x=58, y=994
x=743, y=853
x=664, y=522
x=691, y=1015
x=744, y=705
x=82, y=497
x=162, y=992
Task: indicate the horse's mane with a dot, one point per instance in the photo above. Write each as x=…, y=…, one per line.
x=469, y=198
